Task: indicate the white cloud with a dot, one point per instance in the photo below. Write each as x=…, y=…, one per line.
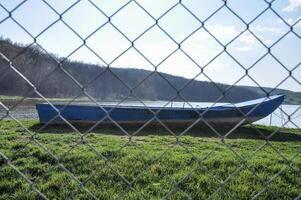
x=244, y=48
x=246, y=40
x=260, y=28
x=223, y=32
x=269, y=41
x=291, y=21
x=264, y=40
x=292, y=6
x=219, y=66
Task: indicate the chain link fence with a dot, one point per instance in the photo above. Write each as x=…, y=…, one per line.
x=146, y=162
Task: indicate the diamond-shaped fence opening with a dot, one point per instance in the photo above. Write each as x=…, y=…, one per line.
x=139, y=99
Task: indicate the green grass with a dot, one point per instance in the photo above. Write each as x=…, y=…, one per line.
x=155, y=165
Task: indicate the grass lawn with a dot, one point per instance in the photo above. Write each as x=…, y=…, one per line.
x=152, y=165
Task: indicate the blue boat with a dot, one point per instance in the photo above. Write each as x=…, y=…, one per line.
x=226, y=114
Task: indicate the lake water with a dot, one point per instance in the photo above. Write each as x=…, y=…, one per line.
x=277, y=118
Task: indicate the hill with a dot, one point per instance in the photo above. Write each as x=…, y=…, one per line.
x=55, y=80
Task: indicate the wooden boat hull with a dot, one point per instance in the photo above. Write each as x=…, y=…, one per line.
x=243, y=113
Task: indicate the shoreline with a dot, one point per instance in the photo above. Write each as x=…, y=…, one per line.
x=34, y=100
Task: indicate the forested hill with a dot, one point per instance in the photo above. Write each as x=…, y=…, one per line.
x=102, y=83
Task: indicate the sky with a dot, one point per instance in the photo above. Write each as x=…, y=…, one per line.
x=105, y=45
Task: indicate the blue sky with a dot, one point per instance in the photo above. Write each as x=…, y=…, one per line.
x=155, y=45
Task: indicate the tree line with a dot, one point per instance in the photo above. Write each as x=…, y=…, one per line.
x=62, y=78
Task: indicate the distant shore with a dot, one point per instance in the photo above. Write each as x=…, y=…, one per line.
x=34, y=100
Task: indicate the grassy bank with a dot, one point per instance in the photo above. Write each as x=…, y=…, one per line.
x=154, y=165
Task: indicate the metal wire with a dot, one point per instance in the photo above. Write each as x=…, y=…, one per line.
x=202, y=26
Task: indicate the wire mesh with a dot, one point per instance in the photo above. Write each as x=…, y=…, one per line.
x=84, y=184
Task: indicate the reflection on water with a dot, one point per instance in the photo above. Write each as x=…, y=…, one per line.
x=278, y=118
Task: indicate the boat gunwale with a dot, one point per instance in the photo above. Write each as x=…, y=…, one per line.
x=218, y=108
